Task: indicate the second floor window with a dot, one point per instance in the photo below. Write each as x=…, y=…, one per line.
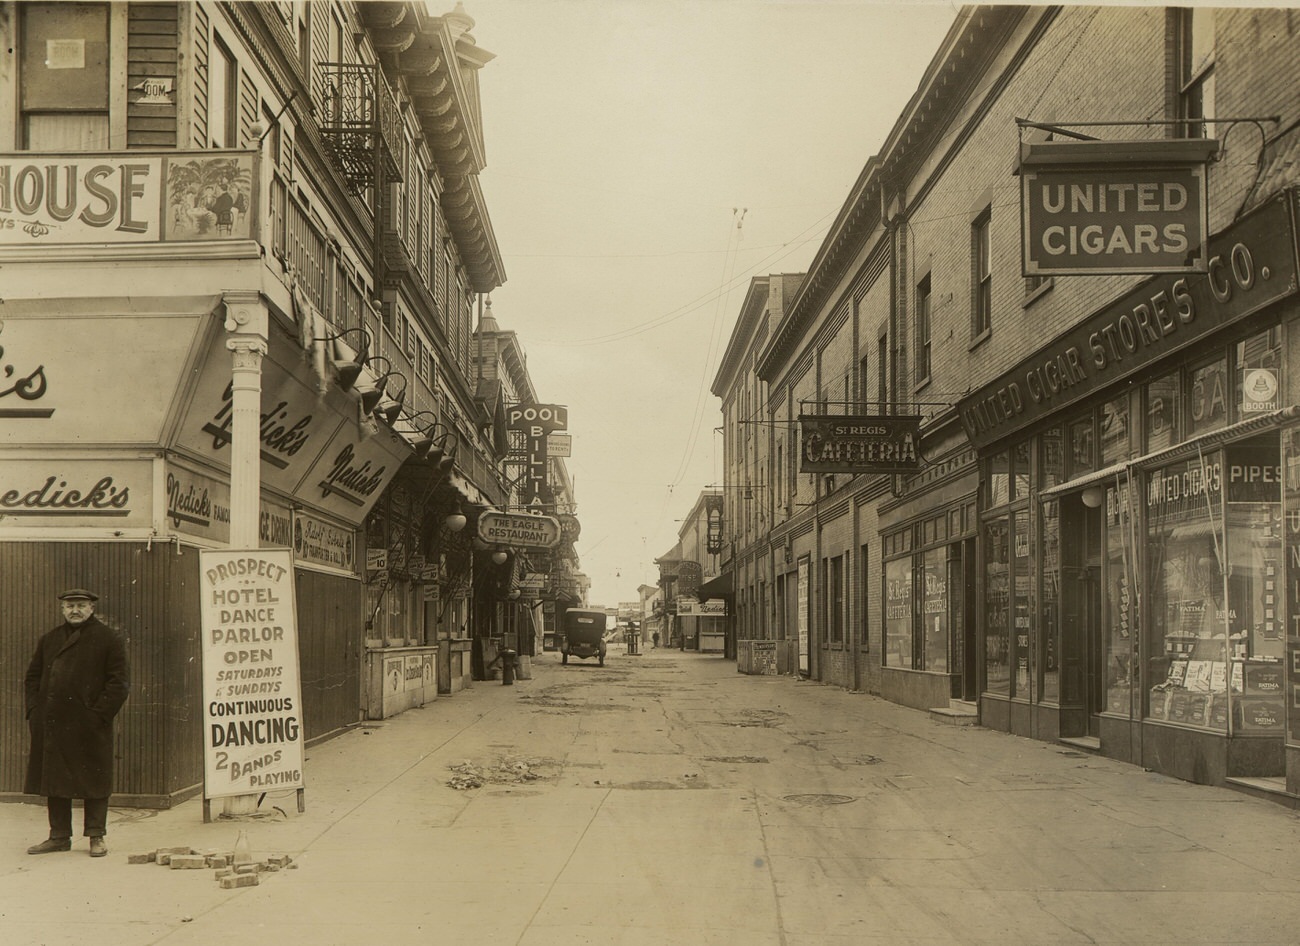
x=1196, y=67
x=223, y=97
x=64, y=76
x=923, y=329
x=981, y=276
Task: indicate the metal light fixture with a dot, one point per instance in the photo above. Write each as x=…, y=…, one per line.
x=499, y=557
x=370, y=399
x=455, y=521
x=347, y=362
x=1092, y=496
x=390, y=412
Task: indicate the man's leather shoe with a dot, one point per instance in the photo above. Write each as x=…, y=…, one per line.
x=50, y=845
x=97, y=847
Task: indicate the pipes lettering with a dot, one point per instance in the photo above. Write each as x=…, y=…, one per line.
x=109, y=198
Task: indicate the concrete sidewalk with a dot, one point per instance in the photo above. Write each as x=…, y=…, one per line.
x=666, y=799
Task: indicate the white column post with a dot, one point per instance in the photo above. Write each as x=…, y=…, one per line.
x=247, y=323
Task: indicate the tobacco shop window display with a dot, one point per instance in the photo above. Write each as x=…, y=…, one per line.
x=1215, y=539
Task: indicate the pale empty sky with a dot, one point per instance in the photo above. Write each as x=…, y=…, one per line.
x=646, y=158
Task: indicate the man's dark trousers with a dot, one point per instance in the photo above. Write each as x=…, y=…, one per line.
x=60, y=811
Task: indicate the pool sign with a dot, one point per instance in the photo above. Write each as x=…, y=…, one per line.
x=252, y=696
x=1093, y=207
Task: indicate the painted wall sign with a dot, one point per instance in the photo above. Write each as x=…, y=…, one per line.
x=47, y=492
x=252, y=695
x=689, y=607
x=860, y=444
x=559, y=445
x=126, y=197
x=1252, y=265
x=199, y=505
x=318, y=542
x=519, y=531
x=136, y=360
x=353, y=471
x=1090, y=207
x=294, y=423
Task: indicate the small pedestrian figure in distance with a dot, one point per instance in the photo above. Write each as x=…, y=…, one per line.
x=75, y=685
x=655, y=638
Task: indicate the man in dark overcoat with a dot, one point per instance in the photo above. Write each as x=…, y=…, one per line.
x=76, y=683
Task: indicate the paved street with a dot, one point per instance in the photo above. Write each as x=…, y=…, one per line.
x=666, y=799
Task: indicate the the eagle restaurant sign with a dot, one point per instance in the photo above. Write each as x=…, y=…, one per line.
x=1092, y=207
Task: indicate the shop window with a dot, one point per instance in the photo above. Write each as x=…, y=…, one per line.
x=1051, y=457
x=999, y=479
x=1020, y=466
x=1208, y=386
x=864, y=622
x=934, y=610
x=1187, y=649
x=1083, y=458
x=997, y=606
x=834, y=575
x=1023, y=603
x=1118, y=611
x=63, y=82
x=1049, y=673
x=1259, y=372
x=898, y=614
x=1163, y=426
x=1114, y=431
x=981, y=276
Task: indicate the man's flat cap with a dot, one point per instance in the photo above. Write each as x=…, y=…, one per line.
x=78, y=593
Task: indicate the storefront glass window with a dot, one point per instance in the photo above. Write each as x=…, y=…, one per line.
x=999, y=479
x=1259, y=372
x=898, y=614
x=1051, y=461
x=1114, y=431
x=1083, y=458
x=1162, y=412
x=997, y=604
x=1256, y=642
x=1024, y=602
x=1208, y=386
x=1187, y=651
x=1117, y=611
x=934, y=610
x=1049, y=684
x=1020, y=468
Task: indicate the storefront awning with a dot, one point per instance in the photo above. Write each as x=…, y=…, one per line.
x=1181, y=451
x=720, y=587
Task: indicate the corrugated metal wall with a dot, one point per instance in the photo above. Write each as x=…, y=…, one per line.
x=151, y=594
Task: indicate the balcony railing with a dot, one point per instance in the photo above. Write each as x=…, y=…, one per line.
x=361, y=122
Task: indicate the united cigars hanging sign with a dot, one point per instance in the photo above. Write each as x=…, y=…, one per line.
x=252, y=696
x=1092, y=207
x=860, y=444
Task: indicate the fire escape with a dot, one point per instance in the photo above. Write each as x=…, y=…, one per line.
x=363, y=130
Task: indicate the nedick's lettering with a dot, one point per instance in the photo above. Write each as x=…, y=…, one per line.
x=99, y=195
x=349, y=481
x=103, y=497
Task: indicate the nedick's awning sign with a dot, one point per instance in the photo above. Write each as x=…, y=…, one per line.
x=1251, y=265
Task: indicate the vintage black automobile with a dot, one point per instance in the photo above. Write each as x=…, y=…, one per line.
x=582, y=634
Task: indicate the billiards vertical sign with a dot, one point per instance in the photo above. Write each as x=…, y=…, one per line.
x=252, y=694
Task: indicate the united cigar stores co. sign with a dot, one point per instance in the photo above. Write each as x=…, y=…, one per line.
x=1093, y=207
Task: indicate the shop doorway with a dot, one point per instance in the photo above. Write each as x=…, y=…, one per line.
x=966, y=685
x=1083, y=681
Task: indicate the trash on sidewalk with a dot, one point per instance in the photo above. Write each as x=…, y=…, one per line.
x=507, y=770
x=226, y=870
